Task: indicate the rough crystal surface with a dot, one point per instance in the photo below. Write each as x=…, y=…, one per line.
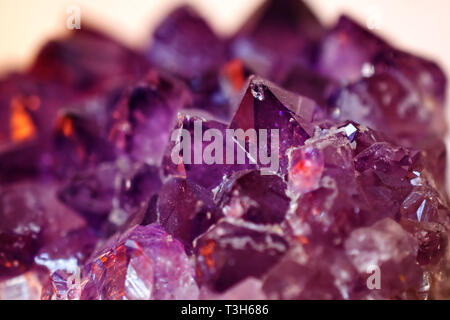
x=111, y=193
x=67, y=253
x=253, y=197
x=185, y=210
x=144, y=117
x=207, y=176
x=143, y=263
x=31, y=217
x=266, y=106
x=97, y=200
x=229, y=253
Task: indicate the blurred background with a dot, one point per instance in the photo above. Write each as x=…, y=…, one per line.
x=416, y=25
x=422, y=27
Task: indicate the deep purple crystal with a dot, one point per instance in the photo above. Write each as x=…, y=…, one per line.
x=253, y=197
x=144, y=117
x=207, y=176
x=143, y=263
x=346, y=48
x=111, y=193
x=278, y=34
x=97, y=200
x=266, y=106
x=185, y=210
x=229, y=253
x=31, y=217
x=185, y=45
x=87, y=61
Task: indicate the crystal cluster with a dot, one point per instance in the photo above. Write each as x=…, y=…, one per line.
x=92, y=205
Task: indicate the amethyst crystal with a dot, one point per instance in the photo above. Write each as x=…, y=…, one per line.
x=31, y=159
x=31, y=217
x=182, y=173
x=198, y=57
x=81, y=136
x=392, y=249
x=111, y=193
x=194, y=51
x=248, y=289
x=28, y=107
x=68, y=252
x=143, y=263
x=389, y=103
x=317, y=272
x=207, y=176
x=310, y=84
x=387, y=89
x=253, y=197
x=359, y=187
x=267, y=106
x=229, y=253
x=87, y=61
x=144, y=117
x=279, y=34
x=346, y=48
x=185, y=210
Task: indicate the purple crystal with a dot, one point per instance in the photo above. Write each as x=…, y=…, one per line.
x=184, y=180
x=389, y=90
x=20, y=233
x=389, y=247
x=228, y=253
x=307, y=272
x=253, y=197
x=198, y=57
x=26, y=160
x=207, y=176
x=217, y=91
x=277, y=35
x=111, y=192
x=185, y=45
x=144, y=263
x=185, y=210
x=144, y=117
x=425, y=75
x=310, y=84
x=81, y=136
x=28, y=107
x=67, y=253
x=91, y=193
x=31, y=217
x=346, y=48
x=87, y=61
x=432, y=240
x=390, y=105
x=374, y=180
x=267, y=106
x=248, y=289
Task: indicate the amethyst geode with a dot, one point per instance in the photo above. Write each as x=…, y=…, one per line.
x=93, y=205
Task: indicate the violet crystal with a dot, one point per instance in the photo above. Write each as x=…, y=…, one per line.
x=93, y=205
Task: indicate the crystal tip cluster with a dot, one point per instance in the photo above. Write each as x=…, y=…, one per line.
x=92, y=205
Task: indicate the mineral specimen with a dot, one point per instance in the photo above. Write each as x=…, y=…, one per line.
x=143, y=263
x=290, y=161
